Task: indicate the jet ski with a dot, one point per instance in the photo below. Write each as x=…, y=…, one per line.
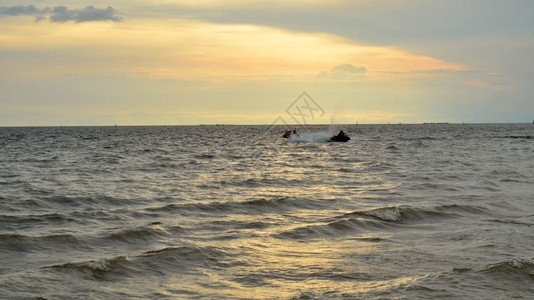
x=288, y=133
x=340, y=137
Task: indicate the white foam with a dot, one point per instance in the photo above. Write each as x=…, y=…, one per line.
x=386, y=213
x=311, y=137
x=519, y=263
x=98, y=265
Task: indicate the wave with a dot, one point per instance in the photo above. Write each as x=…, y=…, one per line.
x=100, y=265
x=188, y=256
x=95, y=214
x=72, y=202
x=384, y=213
x=464, y=208
x=383, y=218
x=24, y=243
x=514, y=268
x=249, y=206
x=169, y=260
x=407, y=214
x=60, y=242
x=335, y=228
x=133, y=235
x=17, y=221
x=84, y=201
x=100, y=269
x=252, y=182
x=236, y=224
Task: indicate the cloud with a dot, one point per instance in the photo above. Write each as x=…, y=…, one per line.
x=491, y=35
x=343, y=71
x=347, y=69
x=20, y=10
x=62, y=14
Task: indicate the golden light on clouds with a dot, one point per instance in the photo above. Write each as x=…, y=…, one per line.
x=195, y=50
x=247, y=4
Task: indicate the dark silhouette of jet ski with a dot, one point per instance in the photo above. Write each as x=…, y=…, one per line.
x=340, y=137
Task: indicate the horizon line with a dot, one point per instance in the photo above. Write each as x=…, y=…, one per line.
x=278, y=125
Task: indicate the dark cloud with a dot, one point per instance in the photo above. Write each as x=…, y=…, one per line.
x=62, y=14
x=19, y=10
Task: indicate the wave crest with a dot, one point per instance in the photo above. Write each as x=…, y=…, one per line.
x=94, y=269
x=379, y=219
x=516, y=267
x=391, y=214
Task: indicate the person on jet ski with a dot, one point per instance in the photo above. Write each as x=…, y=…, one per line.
x=341, y=134
x=340, y=137
x=286, y=134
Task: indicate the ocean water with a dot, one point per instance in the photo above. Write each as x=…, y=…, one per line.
x=441, y=211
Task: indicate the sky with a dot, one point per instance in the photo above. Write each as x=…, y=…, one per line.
x=185, y=62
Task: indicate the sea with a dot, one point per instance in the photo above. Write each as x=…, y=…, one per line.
x=426, y=211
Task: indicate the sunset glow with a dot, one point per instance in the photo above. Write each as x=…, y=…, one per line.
x=189, y=55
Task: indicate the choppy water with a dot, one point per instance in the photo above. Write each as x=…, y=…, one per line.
x=400, y=211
